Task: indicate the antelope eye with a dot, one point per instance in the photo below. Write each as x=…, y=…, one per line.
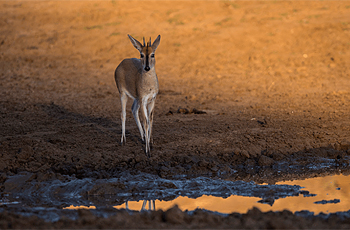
x=142, y=56
x=152, y=55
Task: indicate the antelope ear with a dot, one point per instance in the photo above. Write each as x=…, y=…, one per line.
x=136, y=43
x=155, y=43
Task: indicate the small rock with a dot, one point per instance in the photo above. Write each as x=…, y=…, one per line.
x=277, y=156
x=3, y=177
x=245, y=153
x=183, y=111
x=169, y=113
x=344, y=145
x=186, y=111
x=32, y=48
x=265, y=161
x=164, y=171
x=250, y=162
x=254, y=212
x=202, y=163
x=228, y=150
x=214, y=169
x=173, y=215
x=262, y=123
x=196, y=111
x=164, y=168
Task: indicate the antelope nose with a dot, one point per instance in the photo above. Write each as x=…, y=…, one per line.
x=147, y=68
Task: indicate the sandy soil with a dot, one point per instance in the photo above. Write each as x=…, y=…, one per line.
x=272, y=77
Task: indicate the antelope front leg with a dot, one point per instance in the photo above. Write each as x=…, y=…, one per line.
x=124, y=100
x=146, y=126
x=150, y=116
x=135, y=111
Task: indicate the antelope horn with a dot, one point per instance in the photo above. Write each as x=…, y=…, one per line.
x=144, y=41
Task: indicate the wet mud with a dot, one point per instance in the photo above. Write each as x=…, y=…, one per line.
x=126, y=187
x=252, y=92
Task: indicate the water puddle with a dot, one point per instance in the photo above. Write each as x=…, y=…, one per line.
x=327, y=194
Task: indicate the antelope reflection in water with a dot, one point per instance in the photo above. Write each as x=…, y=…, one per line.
x=151, y=205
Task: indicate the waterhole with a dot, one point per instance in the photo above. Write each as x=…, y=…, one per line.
x=327, y=194
x=51, y=200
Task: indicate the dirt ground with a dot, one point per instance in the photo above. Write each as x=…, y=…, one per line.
x=271, y=76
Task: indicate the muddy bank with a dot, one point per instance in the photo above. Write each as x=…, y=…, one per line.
x=175, y=218
x=51, y=141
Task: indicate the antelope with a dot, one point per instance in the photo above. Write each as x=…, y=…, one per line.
x=137, y=79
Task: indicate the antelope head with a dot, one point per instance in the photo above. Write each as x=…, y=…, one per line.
x=146, y=52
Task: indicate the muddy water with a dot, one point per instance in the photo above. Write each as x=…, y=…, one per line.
x=27, y=190
x=327, y=194
x=329, y=190
x=51, y=200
